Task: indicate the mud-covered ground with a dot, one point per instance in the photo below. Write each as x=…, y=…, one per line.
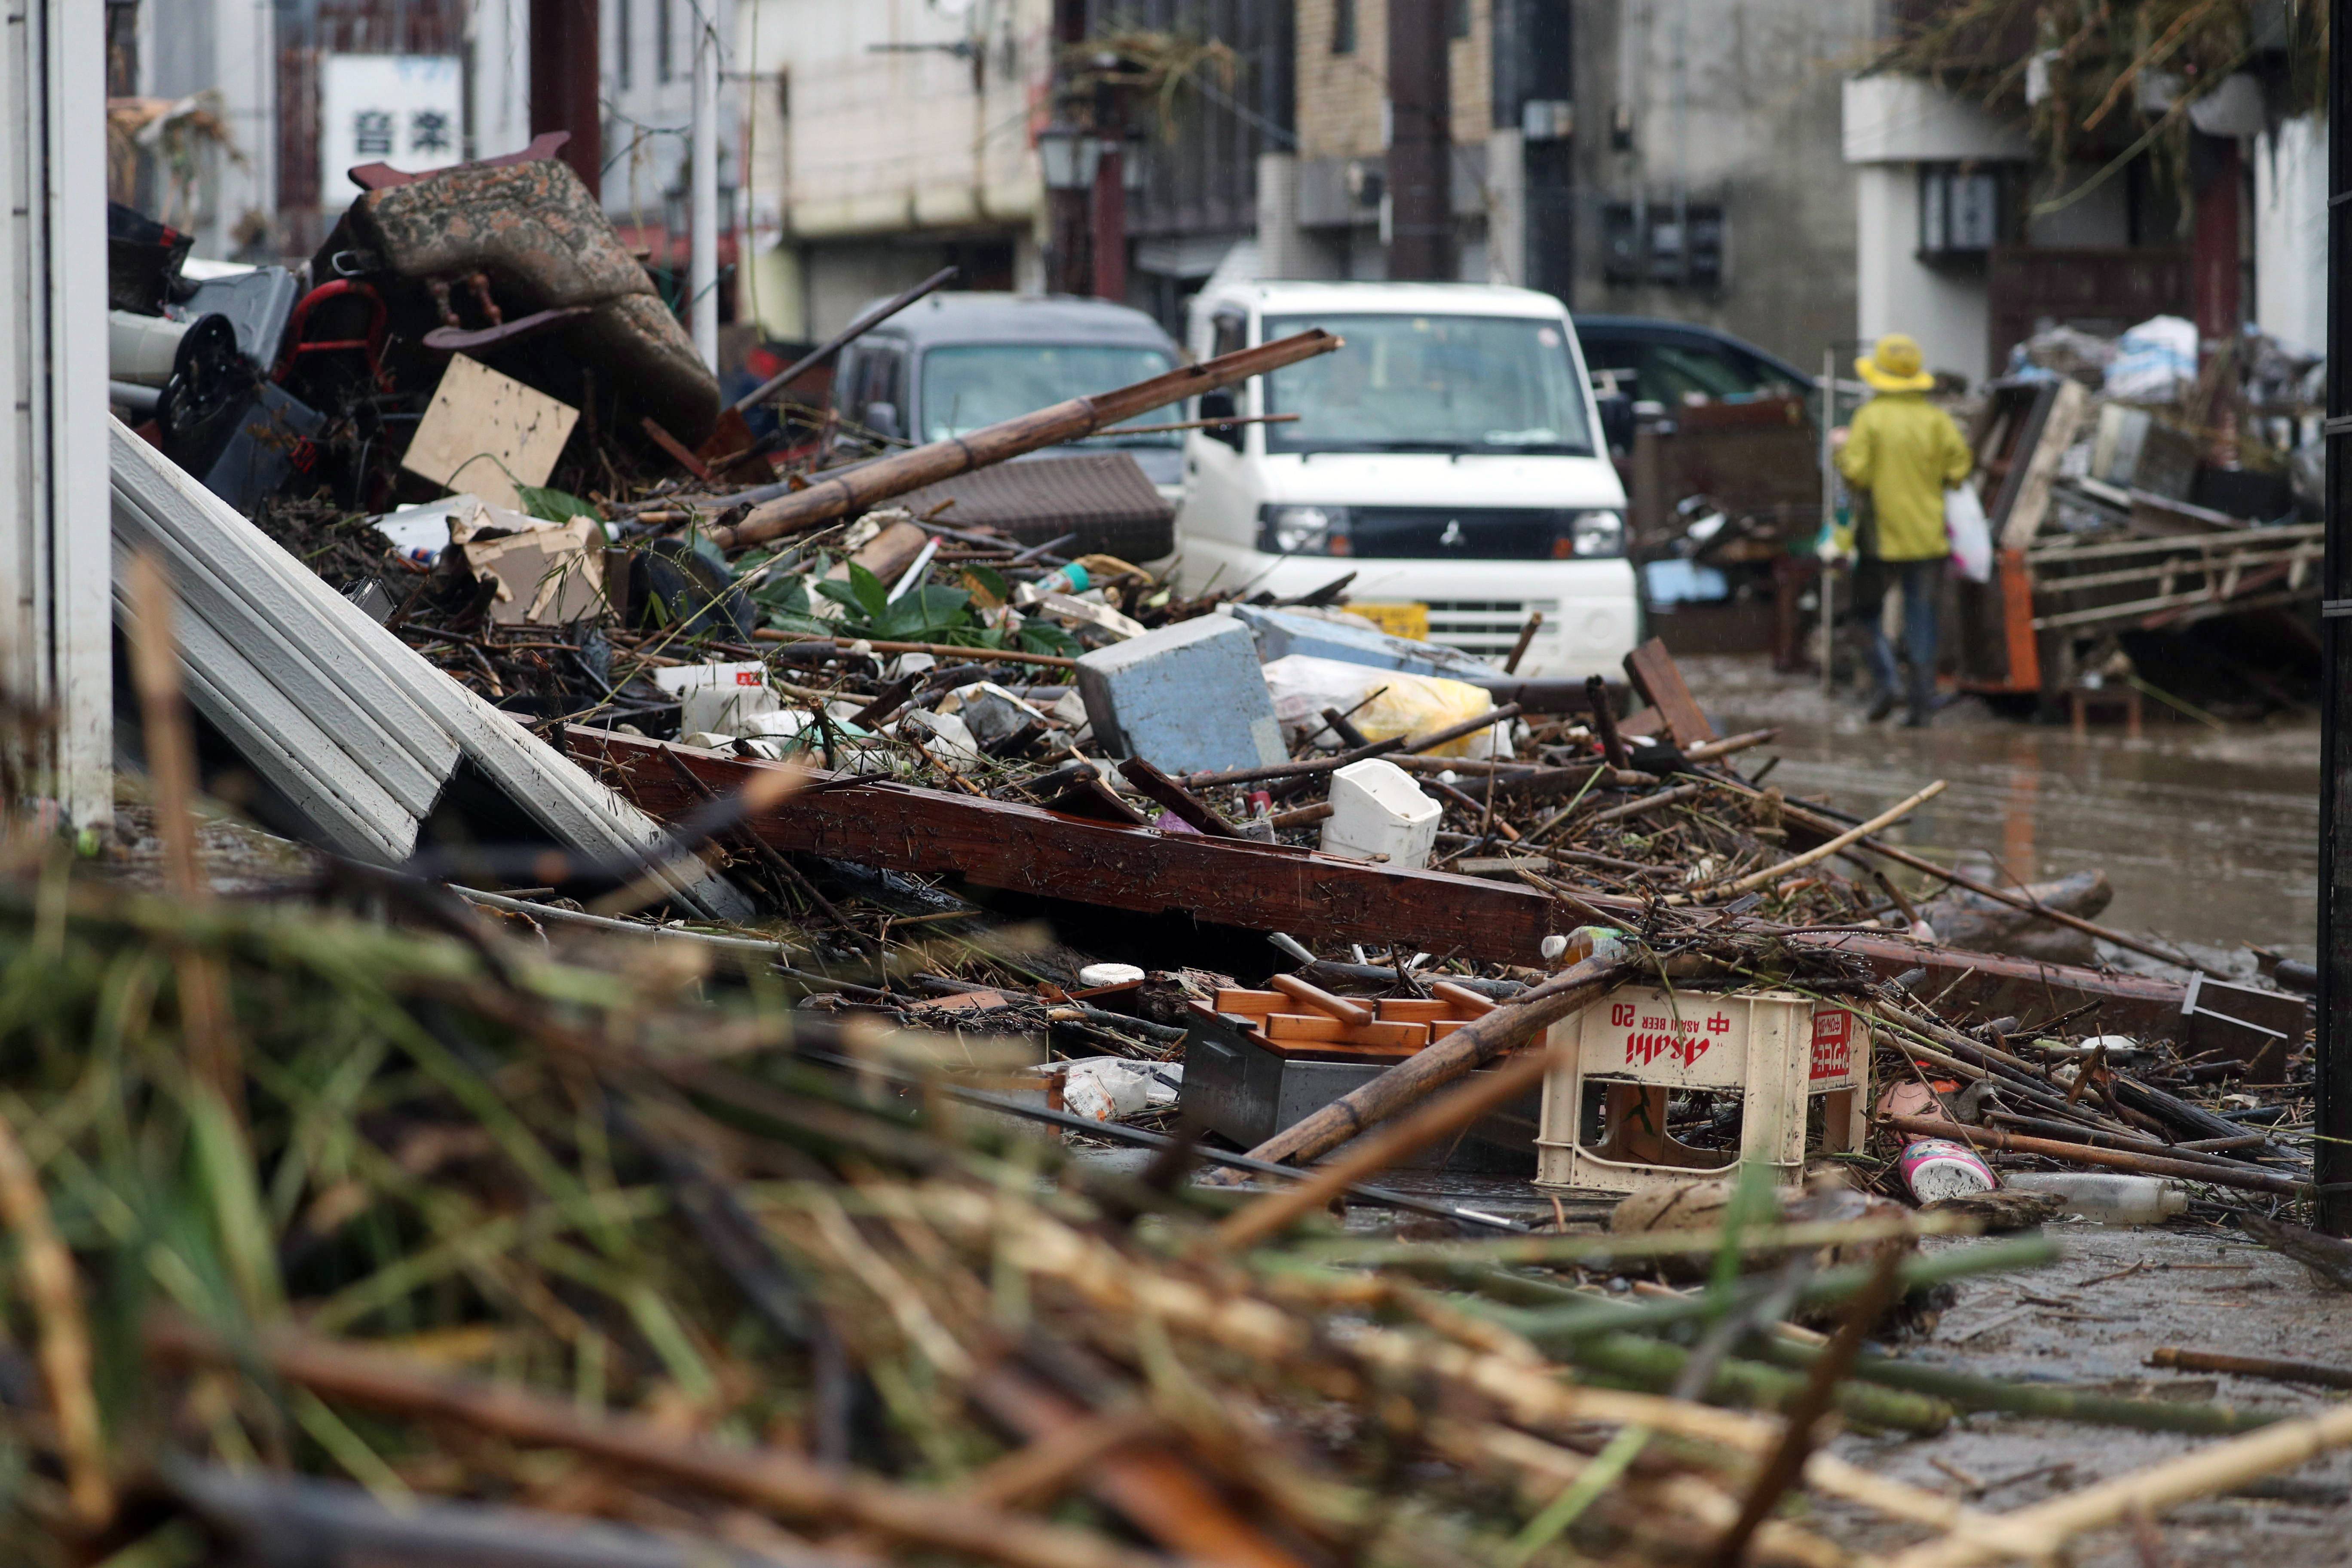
x=2210, y=837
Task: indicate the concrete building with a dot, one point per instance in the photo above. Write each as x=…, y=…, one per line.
x=267, y=71
x=884, y=140
x=1648, y=157
x=1966, y=239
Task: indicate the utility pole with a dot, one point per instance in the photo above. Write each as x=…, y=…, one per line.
x=1421, y=136
x=702, y=222
x=2333, y=1159
x=566, y=81
x=1067, y=248
x=1111, y=184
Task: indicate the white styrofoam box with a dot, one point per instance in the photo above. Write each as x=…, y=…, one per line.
x=1377, y=809
x=1775, y=1049
x=718, y=697
x=1186, y=698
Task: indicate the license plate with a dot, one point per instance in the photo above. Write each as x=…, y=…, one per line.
x=1397, y=620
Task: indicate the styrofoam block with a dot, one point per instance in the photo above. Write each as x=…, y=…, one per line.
x=1281, y=633
x=1377, y=810
x=1186, y=698
x=721, y=698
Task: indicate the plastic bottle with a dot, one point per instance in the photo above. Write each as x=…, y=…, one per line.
x=1586, y=942
x=2108, y=1197
x=1071, y=579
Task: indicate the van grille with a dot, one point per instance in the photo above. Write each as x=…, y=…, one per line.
x=1454, y=533
x=1489, y=628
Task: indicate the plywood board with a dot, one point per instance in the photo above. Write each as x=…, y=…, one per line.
x=488, y=432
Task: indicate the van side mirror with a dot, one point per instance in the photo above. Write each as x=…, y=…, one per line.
x=1617, y=422
x=1220, y=405
x=882, y=418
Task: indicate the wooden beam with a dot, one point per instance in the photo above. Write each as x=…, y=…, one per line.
x=1653, y=672
x=1028, y=849
x=1268, y=887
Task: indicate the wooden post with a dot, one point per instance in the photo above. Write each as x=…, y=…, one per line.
x=2333, y=1165
x=55, y=561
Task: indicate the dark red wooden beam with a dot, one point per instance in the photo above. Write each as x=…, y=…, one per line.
x=1028, y=849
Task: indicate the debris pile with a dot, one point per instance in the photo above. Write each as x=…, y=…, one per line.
x=813, y=1029
x=2133, y=498
x=445, y=1244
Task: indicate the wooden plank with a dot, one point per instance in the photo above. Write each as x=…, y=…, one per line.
x=1660, y=683
x=1028, y=850
x=2050, y=444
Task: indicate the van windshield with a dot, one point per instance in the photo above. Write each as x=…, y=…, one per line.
x=1430, y=384
x=967, y=385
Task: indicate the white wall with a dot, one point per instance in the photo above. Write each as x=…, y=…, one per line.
x=910, y=141
x=1892, y=125
x=228, y=48
x=2291, y=233
x=647, y=120
x=1948, y=313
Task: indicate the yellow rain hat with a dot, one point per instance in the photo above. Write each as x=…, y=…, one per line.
x=1895, y=365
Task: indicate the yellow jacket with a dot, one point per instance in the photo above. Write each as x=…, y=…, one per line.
x=1905, y=452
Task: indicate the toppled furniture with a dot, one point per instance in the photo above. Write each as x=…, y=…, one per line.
x=521, y=260
x=356, y=733
x=1776, y=1050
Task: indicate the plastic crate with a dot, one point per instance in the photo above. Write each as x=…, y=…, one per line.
x=1638, y=1044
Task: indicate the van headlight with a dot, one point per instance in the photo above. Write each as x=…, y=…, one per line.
x=1302, y=530
x=1590, y=534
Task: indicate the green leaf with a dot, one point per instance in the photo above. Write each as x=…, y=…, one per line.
x=554, y=505
x=846, y=595
x=1039, y=636
x=871, y=591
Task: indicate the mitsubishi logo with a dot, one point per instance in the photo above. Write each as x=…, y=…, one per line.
x=1452, y=534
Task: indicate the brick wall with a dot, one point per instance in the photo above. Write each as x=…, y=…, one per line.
x=1339, y=96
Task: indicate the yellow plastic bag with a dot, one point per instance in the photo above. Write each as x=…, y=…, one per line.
x=1385, y=702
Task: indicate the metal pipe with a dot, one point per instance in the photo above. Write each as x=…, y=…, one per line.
x=1828, y=519
x=2334, y=1048
x=841, y=340
x=702, y=266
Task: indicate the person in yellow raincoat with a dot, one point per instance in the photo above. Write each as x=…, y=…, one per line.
x=1902, y=452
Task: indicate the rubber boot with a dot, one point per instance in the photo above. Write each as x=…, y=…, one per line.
x=1923, y=699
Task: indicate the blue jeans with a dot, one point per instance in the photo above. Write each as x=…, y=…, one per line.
x=1923, y=584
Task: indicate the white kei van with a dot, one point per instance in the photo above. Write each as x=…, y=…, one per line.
x=1450, y=456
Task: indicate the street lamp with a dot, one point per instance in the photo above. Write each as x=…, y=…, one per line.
x=1068, y=157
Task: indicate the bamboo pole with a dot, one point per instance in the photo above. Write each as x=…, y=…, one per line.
x=2040, y=1534
x=2115, y=1159
x=863, y=487
x=1887, y=818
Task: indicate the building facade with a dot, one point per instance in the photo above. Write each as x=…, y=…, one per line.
x=884, y=140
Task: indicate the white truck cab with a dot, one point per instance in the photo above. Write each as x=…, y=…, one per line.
x=1449, y=456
